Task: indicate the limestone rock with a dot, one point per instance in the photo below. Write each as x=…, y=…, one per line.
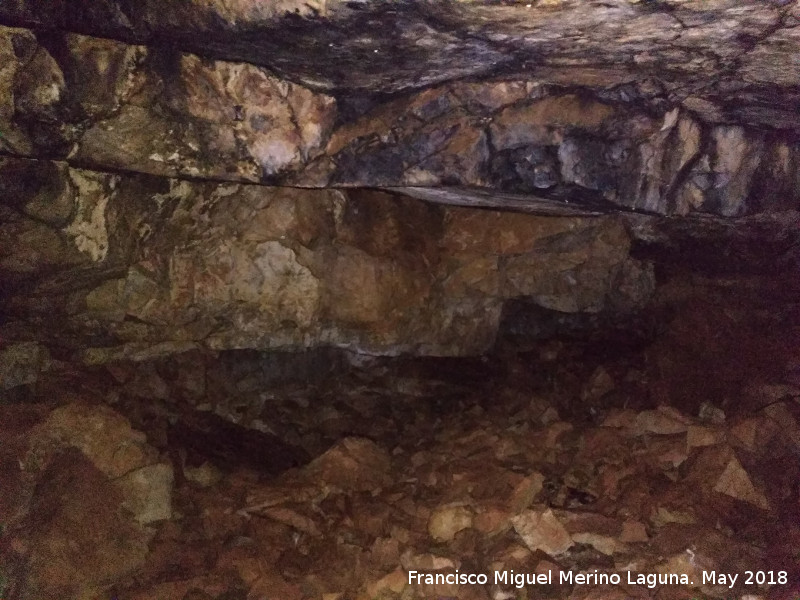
x=541, y=530
x=663, y=421
x=699, y=436
x=121, y=453
x=147, y=493
x=225, y=120
x=525, y=492
x=633, y=532
x=40, y=189
x=104, y=436
x=433, y=43
x=21, y=364
x=288, y=268
x=293, y=519
x=352, y=465
x=735, y=482
x=83, y=541
x=602, y=533
x=446, y=522
x=393, y=582
x=492, y=520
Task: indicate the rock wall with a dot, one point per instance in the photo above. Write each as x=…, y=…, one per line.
x=111, y=106
x=204, y=179
x=135, y=265
x=727, y=60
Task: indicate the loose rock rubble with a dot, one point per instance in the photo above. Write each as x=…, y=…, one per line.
x=419, y=471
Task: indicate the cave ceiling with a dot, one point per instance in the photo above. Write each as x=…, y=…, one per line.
x=553, y=107
x=727, y=60
x=244, y=174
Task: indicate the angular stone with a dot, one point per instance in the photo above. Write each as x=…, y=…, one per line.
x=602, y=543
x=664, y=516
x=104, y=436
x=394, y=582
x=735, y=482
x=541, y=530
x=446, y=522
x=352, y=465
x=293, y=519
x=492, y=520
x=698, y=436
x=663, y=421
x=633, y=532
x=81, y=539
x=746, y=434
x=525, y=492
x=147, y=493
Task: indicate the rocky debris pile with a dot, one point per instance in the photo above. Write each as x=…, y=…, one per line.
x=81, y=493
x=481, y=485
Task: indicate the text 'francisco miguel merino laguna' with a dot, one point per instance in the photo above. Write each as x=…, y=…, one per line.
x=519, y=580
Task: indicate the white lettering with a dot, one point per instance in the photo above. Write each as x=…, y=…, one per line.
x=651, y=580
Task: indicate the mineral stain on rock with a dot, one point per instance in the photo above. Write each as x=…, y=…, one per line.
x=300, y=298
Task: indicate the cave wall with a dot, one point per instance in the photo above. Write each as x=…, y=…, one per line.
x=132, y=265
x=191, y=176
x=106, y=105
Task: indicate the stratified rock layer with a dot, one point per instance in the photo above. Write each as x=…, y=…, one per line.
x=727, y=60
x=144, y=264
x=143, y=149
x=108, y=105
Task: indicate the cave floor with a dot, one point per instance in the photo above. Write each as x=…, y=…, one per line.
x=325, y=475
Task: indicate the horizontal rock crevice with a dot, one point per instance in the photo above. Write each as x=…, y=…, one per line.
x=132, y=262
x=106, y=105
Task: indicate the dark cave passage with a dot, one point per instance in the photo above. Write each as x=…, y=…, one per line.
x=334, y=300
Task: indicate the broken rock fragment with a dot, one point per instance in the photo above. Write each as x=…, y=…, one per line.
x=352, y=465
x=735, y=482
x=447, y=521
x=541, y=530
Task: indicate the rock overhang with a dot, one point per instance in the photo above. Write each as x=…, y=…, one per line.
x=729, y=61
x=110, y=106
x=126, y=127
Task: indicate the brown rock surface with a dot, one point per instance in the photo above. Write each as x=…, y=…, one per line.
x=693, y=52
x=297, y=298
x=147, y=109
x=285, y=268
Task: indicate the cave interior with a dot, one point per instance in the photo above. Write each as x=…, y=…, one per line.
x=374, y=300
